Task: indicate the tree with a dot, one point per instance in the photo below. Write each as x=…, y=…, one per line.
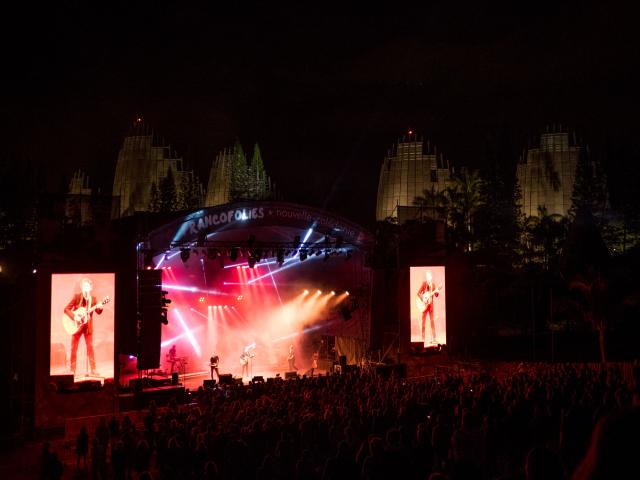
x=154, y=198
x=589, y=188
x=190, y=193
x=462, y=201
x=544, y=235
x=168, y=194
x=239, y=189
x=430, y=204
x=498, y=224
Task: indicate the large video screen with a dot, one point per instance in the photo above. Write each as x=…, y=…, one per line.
x=428, y=306
x=82, y=325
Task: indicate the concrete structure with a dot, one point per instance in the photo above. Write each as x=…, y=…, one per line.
x=407, y=171
x=546, y=174
x=78, y=202
x=143, y=162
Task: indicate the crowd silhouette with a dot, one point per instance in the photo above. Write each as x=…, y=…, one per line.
x=535, y=422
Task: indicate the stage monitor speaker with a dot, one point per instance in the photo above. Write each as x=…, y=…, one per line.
x=175, y=380
x=89, y=385
x=291, y=375
x=226, y=379
x=209, y=383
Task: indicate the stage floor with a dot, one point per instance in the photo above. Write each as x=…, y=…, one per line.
x=193, y=380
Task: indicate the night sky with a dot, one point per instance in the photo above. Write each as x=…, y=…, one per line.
x=325, y=93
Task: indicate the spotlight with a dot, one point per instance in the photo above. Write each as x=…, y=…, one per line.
x=303, y=254
x=239, y=297
x=252, y=261
x=346, y=293
x=184, y=254
x=306, y=292
x=280, y=256
x=318, y=292
x=233, y=255
x=332, y=292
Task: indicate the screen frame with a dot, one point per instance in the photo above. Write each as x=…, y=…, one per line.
x=115, y=300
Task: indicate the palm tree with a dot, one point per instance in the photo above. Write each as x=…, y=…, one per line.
x=463, y=200
x=432, y=200
x=545, y=233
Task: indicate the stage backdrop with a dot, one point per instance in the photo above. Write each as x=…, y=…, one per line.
x=432, y=301
x=63, y=289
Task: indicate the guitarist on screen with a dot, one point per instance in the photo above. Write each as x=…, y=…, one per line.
x=86, y=302
x=426, y=296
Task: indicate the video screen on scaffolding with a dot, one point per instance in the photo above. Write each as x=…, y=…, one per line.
x=427, y=305
x=82, y=325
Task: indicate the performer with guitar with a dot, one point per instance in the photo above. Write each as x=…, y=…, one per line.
x=428, y=291
x=245, y=358
x=213, y=364
x=291, y=358
x=78, y=322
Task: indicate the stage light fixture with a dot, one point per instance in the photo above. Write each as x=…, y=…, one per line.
x=306, y=292
x=185, y=253
x=280, y=256
x=333, y=292
x=233, y=255
x=252, y=261
x=346, y=293
x=326, y=256
x=303, y=254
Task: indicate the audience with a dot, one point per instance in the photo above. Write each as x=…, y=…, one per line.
x=535, y=423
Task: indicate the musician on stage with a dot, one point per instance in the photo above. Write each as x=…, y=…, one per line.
x=86, y=300
x=244, y=360
x=314, y=362
x=213, y=363
x=291, y=358
x=427, y=294
x=171, y=358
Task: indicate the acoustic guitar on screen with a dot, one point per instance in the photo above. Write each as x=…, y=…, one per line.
x=80, y=317
x=424, y=302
